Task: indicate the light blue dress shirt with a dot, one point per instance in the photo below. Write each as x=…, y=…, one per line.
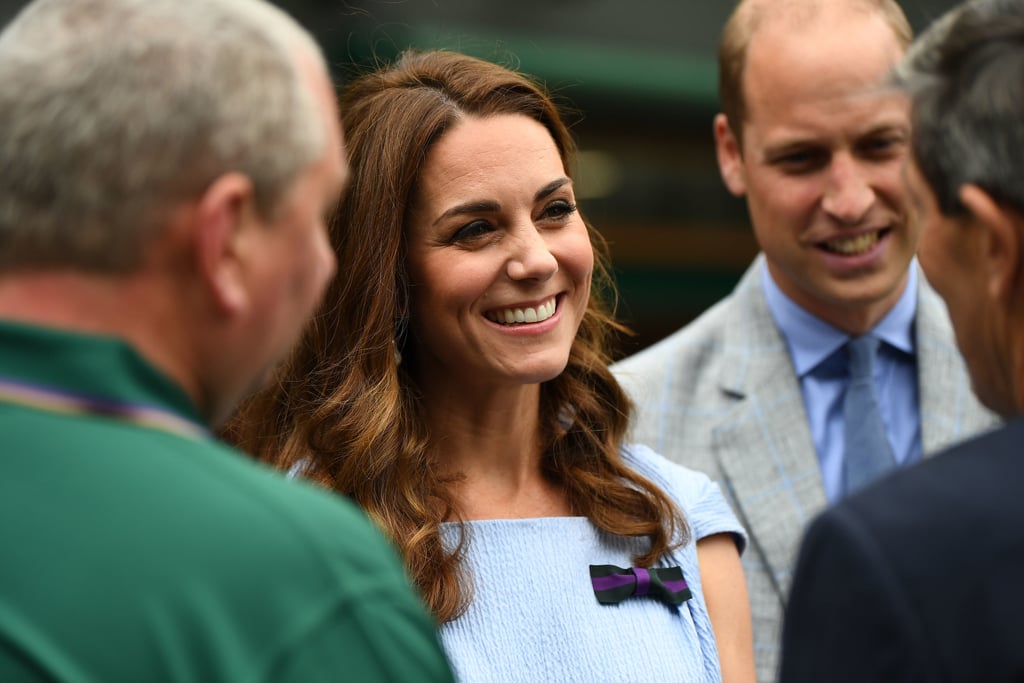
x=816, y=349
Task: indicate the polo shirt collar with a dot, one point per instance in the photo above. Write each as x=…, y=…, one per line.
x=55, y=365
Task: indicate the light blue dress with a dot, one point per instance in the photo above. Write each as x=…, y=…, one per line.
x=534, y=617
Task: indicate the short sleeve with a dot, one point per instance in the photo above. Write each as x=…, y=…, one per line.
x=706, y=511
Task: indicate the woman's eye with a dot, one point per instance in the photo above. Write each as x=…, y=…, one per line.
x=559, y=209
x=471, y=231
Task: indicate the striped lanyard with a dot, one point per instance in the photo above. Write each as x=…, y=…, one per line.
x=66, y=403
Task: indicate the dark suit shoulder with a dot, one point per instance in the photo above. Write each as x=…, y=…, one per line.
x=977, y=478
x=947, y=533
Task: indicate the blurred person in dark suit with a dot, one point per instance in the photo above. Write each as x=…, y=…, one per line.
x=918, y=578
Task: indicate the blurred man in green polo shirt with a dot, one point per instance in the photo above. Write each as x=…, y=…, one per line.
x=166, y=168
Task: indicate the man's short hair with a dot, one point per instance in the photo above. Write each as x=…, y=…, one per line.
x=113, y=111
x=966, y=77
x=743, y=23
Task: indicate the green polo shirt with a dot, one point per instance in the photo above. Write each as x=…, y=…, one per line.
x=136, y=548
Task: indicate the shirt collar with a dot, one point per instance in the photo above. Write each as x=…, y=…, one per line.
x=811, y=340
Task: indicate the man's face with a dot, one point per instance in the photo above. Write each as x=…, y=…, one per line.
x=953, y=256
x=301, y=261
x=822, y=149
x=295, y=260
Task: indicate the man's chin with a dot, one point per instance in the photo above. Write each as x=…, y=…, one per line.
x=219, y=409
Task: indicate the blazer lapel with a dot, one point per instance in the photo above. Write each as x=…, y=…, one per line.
x=764, y=445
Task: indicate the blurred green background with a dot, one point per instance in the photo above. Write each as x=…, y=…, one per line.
x=638, y=79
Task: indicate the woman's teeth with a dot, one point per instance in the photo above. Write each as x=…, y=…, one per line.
x=515, y=316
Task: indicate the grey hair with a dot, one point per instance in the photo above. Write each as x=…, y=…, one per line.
x=114, y=111
x=965, y=76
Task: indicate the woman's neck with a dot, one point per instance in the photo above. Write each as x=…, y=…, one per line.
x=490, y=443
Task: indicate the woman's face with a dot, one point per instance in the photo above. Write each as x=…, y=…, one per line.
x=499, y=259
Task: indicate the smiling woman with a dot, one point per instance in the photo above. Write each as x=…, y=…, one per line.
x=491, y=446
x=495, y=237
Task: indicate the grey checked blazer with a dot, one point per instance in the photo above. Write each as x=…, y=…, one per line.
x=721, y=396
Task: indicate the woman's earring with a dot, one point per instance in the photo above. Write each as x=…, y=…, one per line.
x=398, y=341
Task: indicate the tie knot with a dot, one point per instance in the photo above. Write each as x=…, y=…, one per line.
x=861, y=351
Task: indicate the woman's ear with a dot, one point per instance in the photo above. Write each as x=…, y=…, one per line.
x=999, y=229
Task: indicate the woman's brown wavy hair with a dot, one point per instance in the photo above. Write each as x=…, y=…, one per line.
x=345, y=412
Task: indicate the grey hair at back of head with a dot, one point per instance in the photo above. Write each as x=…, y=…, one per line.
x=965, y=75
x=113, y=111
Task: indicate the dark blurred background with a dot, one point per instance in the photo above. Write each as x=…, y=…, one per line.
x=640, y=78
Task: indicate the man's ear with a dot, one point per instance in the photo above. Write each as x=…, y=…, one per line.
x=730, y=157
x=1001, y=241
x=224, y=216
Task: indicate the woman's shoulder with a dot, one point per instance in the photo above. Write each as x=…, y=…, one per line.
x=704, y=507
x=676, y=480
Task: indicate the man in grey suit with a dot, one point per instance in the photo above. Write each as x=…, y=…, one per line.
x=755, y=391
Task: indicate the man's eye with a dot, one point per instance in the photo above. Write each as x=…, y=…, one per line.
x=800, y=162
x=883, y=147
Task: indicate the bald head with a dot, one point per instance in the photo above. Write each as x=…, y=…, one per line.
x=751, y=16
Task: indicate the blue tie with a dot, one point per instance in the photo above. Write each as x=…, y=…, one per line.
x=867, y=454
